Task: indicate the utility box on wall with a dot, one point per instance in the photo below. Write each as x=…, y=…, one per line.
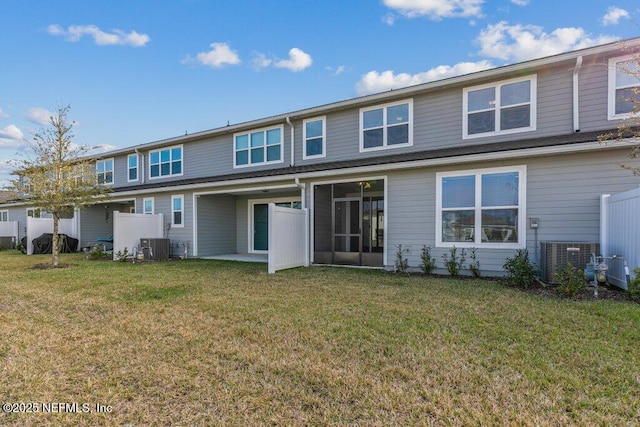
x=155, y=248
x=555, y=256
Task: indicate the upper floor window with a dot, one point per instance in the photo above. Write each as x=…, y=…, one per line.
x=104, y=171
x=314, y=131
x=177, y=211
x=132, y=167
x=386, y=126
x=147, y=205
x=259, y=147
x=624, y=87
x=481, y=208
x=165, y=162
x=500, y=108
x=34, y=212
x=4, y=216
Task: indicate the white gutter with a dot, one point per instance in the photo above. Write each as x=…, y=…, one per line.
x=293, y=157
x=576, y=95
x=512, y=154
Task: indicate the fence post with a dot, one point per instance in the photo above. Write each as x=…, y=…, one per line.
x=604, y=224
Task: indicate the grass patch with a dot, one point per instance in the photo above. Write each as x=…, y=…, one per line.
x=199, y=342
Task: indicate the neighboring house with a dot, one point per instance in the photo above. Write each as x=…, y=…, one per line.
x=465, y=161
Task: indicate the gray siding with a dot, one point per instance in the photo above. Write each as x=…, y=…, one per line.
x=97, y=221
x=562, y=191
x=216, y=225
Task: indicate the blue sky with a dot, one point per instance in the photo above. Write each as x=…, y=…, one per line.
x=139, y=71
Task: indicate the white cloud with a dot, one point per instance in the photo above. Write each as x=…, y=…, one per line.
x=260, y=61
x=613, y=16
x=219, y=55
x=374, y=82
x=524, y=42
x=102, y=148
x=520, y=2
x=298, y=60
x=11, y=136
x=3, y=114
x=39, y=115
x=436, y=9
x=102, y=38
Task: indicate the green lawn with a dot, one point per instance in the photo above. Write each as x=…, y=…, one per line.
x=200, y=342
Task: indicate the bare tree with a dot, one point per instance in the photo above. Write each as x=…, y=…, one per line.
x=628, y=98
x=60, y=176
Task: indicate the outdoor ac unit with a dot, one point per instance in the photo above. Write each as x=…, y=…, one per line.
x=555, y=256
x=7, y=242
x=154, y=249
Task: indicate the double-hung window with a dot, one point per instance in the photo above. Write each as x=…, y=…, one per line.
x=4, y=216
x=500, y=108
x=104, y=171
x=165, y=162
x=177, y=211
x=481, y=208
x=34, y=212
x=259, y=147
x=624, y=87
x=132, y=167
x=386, y=126
x=147, y=205
x=314, y=137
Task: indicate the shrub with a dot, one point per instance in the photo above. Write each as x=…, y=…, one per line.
x=454, y=263
x=520, y=271
x=97, y=253
x=427, y=264
x=401, y=263
x=634, y=285
x=571, y=280
x=21, y=248
x=123, y=255
x=474, y=265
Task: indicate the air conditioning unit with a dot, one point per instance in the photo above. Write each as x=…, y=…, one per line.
x=555, y=256
x=7, y=242
x=154, y=248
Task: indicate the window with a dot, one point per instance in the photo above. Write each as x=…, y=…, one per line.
x=500, y=108
x=386, y=126
x=4, y=216
x=104, y=171
x=481, y=208
x=177, y=211
x=165, y=162
x=33, y=212
x=147, y=205
x=624, y=87
x=259, y=147
x=132, y=167
x=314, y=131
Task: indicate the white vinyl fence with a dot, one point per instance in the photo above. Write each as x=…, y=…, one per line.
x=9, y=229
x=620, y=233
x=37, y=226
x=129, y=228
x=288, y=238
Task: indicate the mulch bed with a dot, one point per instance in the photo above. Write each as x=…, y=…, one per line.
x=607, y=292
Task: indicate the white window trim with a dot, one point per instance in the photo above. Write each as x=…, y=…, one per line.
x=611, y=91
x=250, y=223
x=137, y=168
x=180, y=146
x=533, y=102
x=113, y=166
x=384, y=126
x=4, y=211
x=522, y=203
x=324, y=138
x=249, y=132
x=181, y=197
x=34, y=209
x=153, y=205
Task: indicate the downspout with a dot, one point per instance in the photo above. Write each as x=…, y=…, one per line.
x=293, y=157
x=576, y=95
x=141, y=157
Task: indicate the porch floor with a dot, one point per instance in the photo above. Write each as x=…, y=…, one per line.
x=240, y=257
